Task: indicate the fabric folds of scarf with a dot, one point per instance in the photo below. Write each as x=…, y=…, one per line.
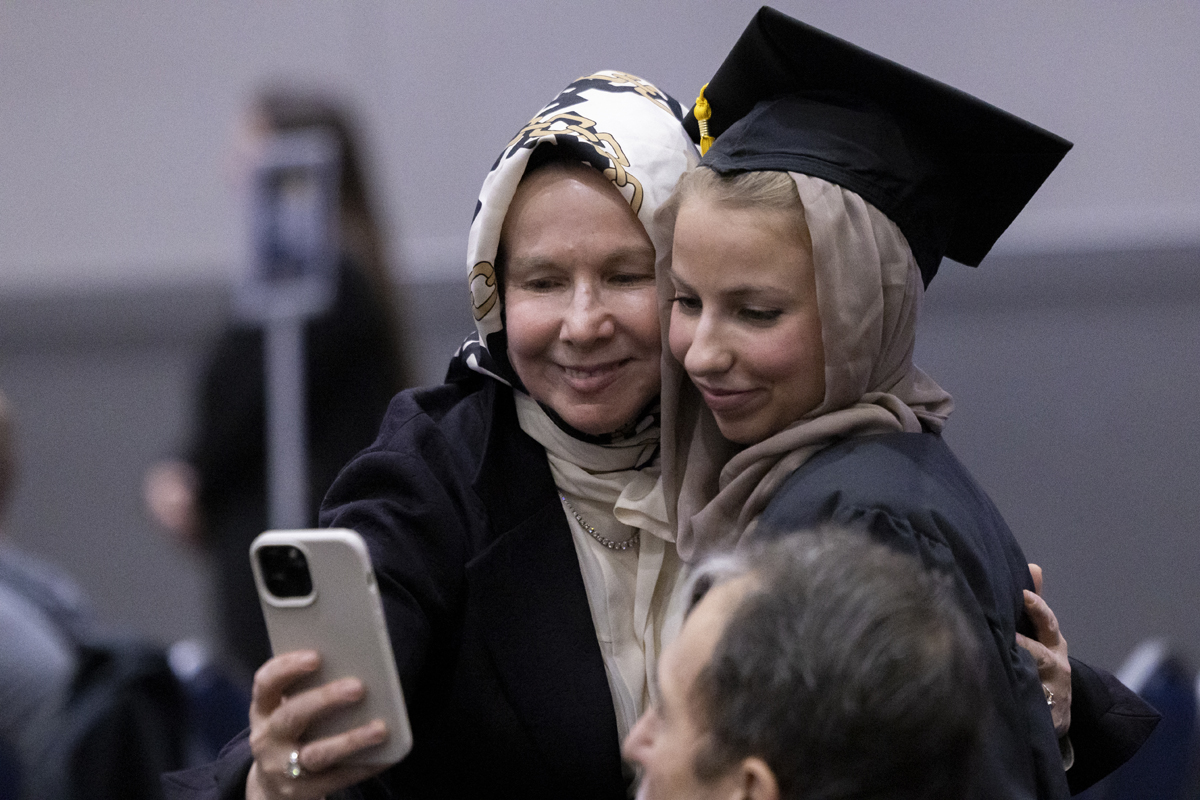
x=635, y=595
x=869, y=293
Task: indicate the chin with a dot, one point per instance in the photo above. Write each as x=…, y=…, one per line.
x=594, y=426
x=740, y=432
x=600, y=417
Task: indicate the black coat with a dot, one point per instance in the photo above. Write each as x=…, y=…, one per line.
x=909, y=491
x=486, y=608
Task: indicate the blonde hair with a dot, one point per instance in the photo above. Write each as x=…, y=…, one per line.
x=763, y=190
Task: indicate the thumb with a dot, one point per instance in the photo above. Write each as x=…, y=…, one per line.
x=1035, y=572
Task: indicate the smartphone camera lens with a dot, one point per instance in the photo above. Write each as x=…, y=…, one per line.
x=285, y=571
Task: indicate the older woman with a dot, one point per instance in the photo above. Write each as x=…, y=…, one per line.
x=513, y=514
x=801, y=248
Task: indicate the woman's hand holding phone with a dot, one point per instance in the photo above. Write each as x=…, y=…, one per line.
x=328, y=710
x=279, y=720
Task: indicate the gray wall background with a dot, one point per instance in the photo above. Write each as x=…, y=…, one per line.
x=1072, y=353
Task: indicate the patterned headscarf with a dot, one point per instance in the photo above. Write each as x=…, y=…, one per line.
x=623, y=126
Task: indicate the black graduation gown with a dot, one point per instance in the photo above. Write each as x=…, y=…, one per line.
x=909, y=491
x=485, y=605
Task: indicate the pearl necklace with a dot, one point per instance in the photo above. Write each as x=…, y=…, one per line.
x=632, y=541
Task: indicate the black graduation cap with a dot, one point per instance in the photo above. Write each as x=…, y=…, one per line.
x=950, y=170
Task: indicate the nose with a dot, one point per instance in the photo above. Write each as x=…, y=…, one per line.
x=588, y=318
x=708, y=353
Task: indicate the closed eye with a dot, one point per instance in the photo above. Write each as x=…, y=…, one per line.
x=632, y=278
x=760, y=316
x=687, y=304
x=546, y=284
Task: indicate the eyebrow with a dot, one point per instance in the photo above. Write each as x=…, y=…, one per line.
x=621, y=255
x=674, y=276
x=736, y=293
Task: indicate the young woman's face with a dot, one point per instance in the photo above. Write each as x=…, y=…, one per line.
x=744, y=319
x=579, y=297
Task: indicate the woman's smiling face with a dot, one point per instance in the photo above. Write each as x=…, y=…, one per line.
x=581, y=309
x=744, y=320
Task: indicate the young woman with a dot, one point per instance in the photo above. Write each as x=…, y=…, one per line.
x=800, y=252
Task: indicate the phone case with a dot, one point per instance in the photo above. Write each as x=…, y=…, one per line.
x=342, y=619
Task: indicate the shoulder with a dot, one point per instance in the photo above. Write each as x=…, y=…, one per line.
x=442, y=430
x=912, y=478
x=460, y=410
x=910, y=490
x=893, y=466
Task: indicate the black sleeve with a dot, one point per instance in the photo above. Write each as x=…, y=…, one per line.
x=409, y=495
x=223, y=779
x=1109, y=722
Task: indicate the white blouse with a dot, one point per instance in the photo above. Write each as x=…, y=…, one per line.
x=635, y=595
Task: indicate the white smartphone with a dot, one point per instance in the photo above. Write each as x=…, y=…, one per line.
x=318, y=592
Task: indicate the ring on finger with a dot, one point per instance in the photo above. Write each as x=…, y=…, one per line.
x=1049, y=695
x=293, y=769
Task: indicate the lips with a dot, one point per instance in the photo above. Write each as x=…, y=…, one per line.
x=727, y=401
x=589, y=378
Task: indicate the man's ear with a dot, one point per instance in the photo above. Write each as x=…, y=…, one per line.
x=757, y=781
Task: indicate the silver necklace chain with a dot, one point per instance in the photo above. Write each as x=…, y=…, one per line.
x=632, y=541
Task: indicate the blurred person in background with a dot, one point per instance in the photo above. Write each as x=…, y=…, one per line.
x=84, y=711
x=42, y=612
x=215, y=495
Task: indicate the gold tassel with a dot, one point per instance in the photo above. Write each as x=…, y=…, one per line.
x=703, y=111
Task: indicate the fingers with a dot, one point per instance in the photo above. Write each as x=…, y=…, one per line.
x=280, y=717
x=169, y=490
x=1042, y=656
x=294, y=716
x=274, y=678
x=1044, y=621
x=1055, y=674
x=1035, y=572
x=1049, y=652
x=325, y=753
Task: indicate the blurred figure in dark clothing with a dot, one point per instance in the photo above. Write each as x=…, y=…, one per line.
x=215, y=496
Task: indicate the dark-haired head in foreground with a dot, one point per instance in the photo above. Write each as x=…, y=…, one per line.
x=823, y=666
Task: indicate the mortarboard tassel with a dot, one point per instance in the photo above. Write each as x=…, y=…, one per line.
x=702, y=112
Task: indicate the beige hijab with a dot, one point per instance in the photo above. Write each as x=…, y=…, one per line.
x=869, y=294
